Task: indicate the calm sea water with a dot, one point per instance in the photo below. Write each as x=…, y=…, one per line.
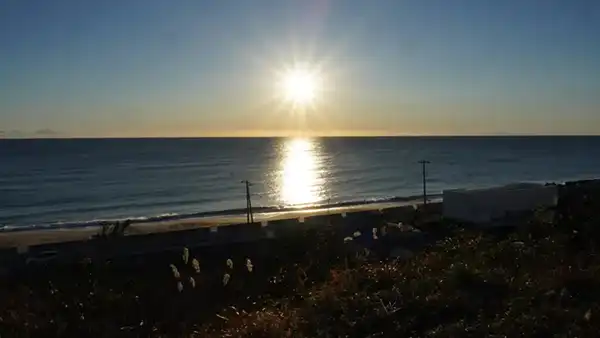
x=77, y=181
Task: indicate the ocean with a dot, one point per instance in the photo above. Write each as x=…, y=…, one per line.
x=74, y=182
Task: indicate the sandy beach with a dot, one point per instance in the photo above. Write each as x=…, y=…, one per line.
x=49, y=236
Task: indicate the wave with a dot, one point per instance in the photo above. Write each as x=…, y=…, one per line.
x=227, y=212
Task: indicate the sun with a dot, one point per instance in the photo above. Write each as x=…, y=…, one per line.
x=300, y=86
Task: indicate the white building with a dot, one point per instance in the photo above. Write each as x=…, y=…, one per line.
x=486, y=205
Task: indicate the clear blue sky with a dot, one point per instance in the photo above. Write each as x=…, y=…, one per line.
x=206, y=67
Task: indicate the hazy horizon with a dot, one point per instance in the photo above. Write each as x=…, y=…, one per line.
x=131, y=69
x=292, y=136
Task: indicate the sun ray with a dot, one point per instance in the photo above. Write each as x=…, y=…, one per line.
x=300, y=87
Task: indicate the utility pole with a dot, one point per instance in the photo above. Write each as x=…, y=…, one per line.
x=249, y=214
x=424, y=163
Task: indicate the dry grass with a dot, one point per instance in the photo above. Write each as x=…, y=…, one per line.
x=469, y=285
x=541, y=280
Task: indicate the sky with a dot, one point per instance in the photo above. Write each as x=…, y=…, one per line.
x=186, y=68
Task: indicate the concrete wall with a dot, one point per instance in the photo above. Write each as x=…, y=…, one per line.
x=316, y=221
x=405, y=214
x=121, y=246
x=363, y=221
x=431, y=208
x=238, y=233
x=8, y=258
x=485, y=205
x=283, y=227
x=135, y=245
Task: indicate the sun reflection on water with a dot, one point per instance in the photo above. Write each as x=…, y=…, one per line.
x=301, y=181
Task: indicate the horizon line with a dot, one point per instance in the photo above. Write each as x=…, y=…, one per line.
x=293, y=136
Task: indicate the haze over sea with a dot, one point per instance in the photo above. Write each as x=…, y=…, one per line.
x=82, y=181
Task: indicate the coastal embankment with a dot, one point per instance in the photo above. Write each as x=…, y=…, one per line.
x=329, y=275
x=32, y=237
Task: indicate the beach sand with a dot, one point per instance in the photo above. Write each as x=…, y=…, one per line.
x=24, y=239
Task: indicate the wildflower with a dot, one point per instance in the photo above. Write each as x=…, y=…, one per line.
x=175, y=272
x=193, y=282
x=249, y=265
x=588, y=315
x=230, y=263
x=226, y=278
x=347, y=239
x=222, y=317
x=196, y=265
x=186, y=255
x=356, y=234
x=179, y=286
x=375, y=234
x=518, y=244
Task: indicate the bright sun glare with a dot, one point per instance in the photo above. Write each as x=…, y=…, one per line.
x=301, y=172
x=300, y=86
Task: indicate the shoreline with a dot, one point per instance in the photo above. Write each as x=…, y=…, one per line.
x=22, y=239
x=536, y=276
x=33, y=237
x=98, y=223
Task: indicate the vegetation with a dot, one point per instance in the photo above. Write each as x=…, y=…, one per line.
x=116, y=229
x=540, y=280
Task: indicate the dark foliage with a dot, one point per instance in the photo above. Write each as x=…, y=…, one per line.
x=540, y=280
